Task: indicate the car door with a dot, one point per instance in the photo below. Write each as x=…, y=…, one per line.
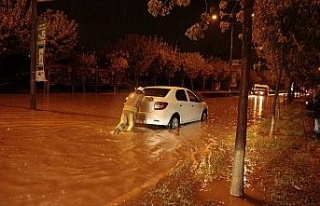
x=183, y=106
x=195, y=106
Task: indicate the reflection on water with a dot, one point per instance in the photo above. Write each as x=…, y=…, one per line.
x=224, y=111
x=258, y=108
x=167, y=141
x=64, y=151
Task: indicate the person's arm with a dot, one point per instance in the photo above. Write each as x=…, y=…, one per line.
x=150, y=99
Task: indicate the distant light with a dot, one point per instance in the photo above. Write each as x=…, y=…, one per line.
x=214, y=17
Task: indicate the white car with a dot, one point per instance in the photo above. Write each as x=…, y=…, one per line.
x=260, y=90
x=171, y=107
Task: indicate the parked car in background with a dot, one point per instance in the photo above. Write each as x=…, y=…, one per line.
x=260, y=90
x=311, y=103
x=172, y=106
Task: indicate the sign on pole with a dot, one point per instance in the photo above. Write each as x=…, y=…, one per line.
x=41, y=43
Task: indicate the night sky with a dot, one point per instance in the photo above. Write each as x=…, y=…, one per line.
x=103, y=20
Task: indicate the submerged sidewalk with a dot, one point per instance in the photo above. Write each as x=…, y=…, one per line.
x=280, y=170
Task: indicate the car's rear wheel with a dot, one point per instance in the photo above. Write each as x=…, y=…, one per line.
x=174, y=122
x=204, y=116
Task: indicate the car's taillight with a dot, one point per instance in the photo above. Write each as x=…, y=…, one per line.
x=160, y=105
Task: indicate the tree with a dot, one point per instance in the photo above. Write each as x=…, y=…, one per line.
x=237, y=183
x=140, y=54
x=163, y=8
x=62, y=34
x=118, y=62
x=15, y=29
x=170, y=60
x=189, y=63
x=218, y=70
x=155, y=67
x=156, y=7
x=146, y=53
x=194, y=62
x=287, y=32
x=206, y=71
x=15, y=25
x=85, y=61
x=300, y=25
x=266, y=27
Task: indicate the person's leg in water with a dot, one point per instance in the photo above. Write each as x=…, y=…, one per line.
x=316, y=126
x=122, y=124
x=131, y=121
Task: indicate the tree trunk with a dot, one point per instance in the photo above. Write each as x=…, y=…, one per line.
x=237, y=183
x=191, y=81
x=203, y=83
x=115, y=83
x=155, y=76
x=83, y=80
x=212, y=84
x=136, y=77
x=275, y=104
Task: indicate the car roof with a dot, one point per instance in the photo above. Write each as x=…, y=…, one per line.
x=166, y=87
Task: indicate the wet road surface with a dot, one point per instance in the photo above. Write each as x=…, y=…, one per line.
x=63, y=152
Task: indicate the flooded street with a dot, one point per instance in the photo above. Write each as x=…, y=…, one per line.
x=63, y=152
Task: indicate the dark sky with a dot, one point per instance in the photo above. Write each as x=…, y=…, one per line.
x=103, y=20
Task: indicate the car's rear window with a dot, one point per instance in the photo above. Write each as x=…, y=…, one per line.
x=156, y=92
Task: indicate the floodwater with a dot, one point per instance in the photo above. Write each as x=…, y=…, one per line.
x=63, y=152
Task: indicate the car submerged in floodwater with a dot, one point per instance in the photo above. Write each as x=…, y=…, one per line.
x=171, y=107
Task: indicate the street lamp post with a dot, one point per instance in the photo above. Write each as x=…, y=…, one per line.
x=214, y=17
x=231, y=62
x=33, y=55
x=231, y=44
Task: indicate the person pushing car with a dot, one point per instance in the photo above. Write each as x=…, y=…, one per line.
x=130, y=110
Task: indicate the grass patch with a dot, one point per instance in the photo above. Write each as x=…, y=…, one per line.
x=289, y=161
x=284, y=168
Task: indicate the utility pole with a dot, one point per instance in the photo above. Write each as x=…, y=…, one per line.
x=33, y=55
x=231, y=45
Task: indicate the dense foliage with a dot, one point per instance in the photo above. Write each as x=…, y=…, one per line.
x=285, y=37
x=287, y=34
x=15, y=30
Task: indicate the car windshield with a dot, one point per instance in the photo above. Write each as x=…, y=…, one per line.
x=156, y=92
x=260, y=88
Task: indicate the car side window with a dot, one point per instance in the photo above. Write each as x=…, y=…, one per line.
x=192, y=97
x=181, y=95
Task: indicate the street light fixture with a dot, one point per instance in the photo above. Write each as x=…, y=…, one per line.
x=214, y=17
